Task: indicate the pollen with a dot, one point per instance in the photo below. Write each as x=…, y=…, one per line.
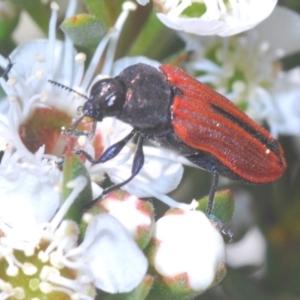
x=39, y=58
x=12, y=271
x=39, y=74
x=12, y=81
x=54, y=6
x=128, y=5
x=268, y=151
x=80, y=58
x=82, y=140
x=44, y=96
x=108, y=131
x=12, y=98
x=29, y=269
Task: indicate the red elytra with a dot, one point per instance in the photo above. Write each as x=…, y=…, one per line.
x=206, y=120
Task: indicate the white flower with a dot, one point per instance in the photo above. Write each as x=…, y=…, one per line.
x=187, y=245
x=33, y=98
x=249, y=251
x=36, y=245
x=29, y=193
x=31, y=218
x=108, y=258
x=136, y=216
x=210, y=17
x=246, y=70
x=111, y=255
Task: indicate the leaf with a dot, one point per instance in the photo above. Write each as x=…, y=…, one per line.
x=106, y=10
x=223, y=207
x=37, y=11
x=72, y=168
x=148, y=36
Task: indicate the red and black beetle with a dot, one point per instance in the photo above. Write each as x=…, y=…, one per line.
x=182, y=114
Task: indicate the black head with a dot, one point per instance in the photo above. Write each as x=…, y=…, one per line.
x=106, y=99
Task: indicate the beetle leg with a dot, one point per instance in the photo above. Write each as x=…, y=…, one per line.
x=110, y=152
x=138, y=162
x=78, y=133
x=212, y=193
x=7, y=69
x=210, y=206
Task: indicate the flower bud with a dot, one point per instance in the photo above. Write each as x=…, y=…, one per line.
x=137, y=216
x=188, y=254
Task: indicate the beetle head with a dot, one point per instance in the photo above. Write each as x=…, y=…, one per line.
x=106, y=99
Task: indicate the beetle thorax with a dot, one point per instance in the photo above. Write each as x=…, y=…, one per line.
x=148, y=97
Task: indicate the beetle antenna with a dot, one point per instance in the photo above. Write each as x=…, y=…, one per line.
x=67, y=88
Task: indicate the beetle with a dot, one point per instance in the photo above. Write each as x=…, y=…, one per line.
x=180, y=113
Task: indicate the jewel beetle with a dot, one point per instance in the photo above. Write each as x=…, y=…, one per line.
x=180, y=113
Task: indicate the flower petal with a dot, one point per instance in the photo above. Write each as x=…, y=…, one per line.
x=114, y=259
x=240, y=17
x=281, y=30
x=28, y=195
x=188, y=243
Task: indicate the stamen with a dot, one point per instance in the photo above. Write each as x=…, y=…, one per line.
x=111, y=50
x=180, y=8
x=40, y=58
x=19, y=293
x=29, y=104
x=30, y=79
x=78, y=185
x=68, y=50
x=29, y=269
x=46, y=287
x=222, y=6
x=12, y=81
x=164, y=198
x=94, y=62
x=54, y=6
x=212, y=10
x=79, y=59
x=44, y=96
x=39, y=73
x=12, y=98
x=12, y=271
x=52, y=38
x=55, y=260
x=71, y=8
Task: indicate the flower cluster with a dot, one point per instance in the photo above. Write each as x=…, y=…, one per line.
x=246, y=68
x=117, y=246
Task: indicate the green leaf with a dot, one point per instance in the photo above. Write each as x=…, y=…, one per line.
x=223, y=207
x=72, y=168
x=242, y=287
x=139, y=293
x=195, y=10
x=148, y=36
x=9, y=17
x=37, y=11
x=106, y=10
x=84, y=30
